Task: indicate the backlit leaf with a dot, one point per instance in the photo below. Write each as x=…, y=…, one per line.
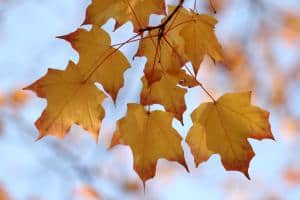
x=150, y=136
x=167, y=93
x=70, y=101
x=136, y=11
x=98, y=61
x=223, y=127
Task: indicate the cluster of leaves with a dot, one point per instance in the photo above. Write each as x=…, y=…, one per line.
x=221, y=126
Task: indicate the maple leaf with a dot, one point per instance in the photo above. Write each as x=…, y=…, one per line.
x=161, y=57
x=98, y=61
x=136, y=11
x=163, y=72
x=187, y=37
x=75, y=89
x=223, y=127
x=164, y=62
x=70, y=101
x=167, y=93
x=150, y=136
x=200, y=40
x=197, y=34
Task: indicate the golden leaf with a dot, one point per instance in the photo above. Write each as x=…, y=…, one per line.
x=72, y=96
x=136, y=11
x=167, y=93
x=223, y=127
x=186, y=37
x=150, y=136
x=98, y=61
x=161, y=57
x=200, y=40
x=70, y=101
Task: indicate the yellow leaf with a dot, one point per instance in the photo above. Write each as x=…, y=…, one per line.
x=137, y=11
x=200, y=40
x=181, y=18
x=98, y=61
x=150, y=136
x=195, y=36
x=161, y=57
x=186, y=37
x=70, y=101
x=223, y=127
x=167, y=93
x=197, y=141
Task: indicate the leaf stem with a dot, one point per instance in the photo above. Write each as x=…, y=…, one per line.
x=207, y=92
x=212, y=6
x=192, y=74
x=201, y=85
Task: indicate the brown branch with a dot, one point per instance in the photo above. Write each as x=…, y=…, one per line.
x=212, y=6
x=163, y=25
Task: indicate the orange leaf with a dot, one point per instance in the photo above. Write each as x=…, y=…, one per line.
x=70, y=101
x=98, y=61
x=136, y=11
x=200, y=40
x=150, y=136
x=167, y=93
x=223, y=127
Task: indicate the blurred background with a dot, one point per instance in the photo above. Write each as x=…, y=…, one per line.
x=261, y=41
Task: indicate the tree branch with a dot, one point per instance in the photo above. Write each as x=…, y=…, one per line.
x=163, y=25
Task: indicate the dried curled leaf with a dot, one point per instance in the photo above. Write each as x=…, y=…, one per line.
x=223, y=127
x=150, y=136
x=136, y=11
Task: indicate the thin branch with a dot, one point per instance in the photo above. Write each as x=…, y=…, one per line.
x=105, y=58
x=163, y=25
x=133, y=40
x=212, y=6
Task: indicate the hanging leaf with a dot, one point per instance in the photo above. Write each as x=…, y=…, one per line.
x=98, y=61
x=223, y=127
x=70, y=101
x=136, y=11
x=150, y=136
x=167, y=93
